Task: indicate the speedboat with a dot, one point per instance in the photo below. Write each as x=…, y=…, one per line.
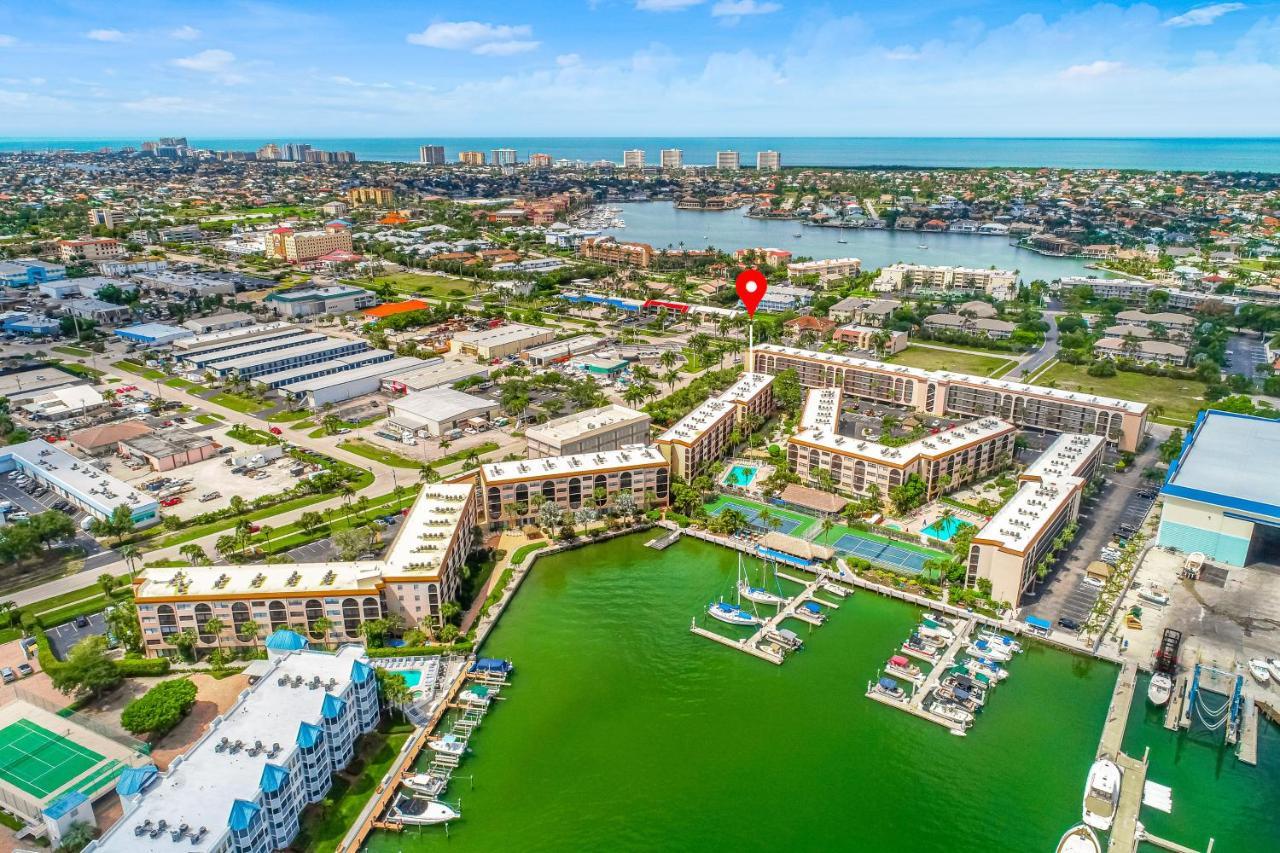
x=426, y=783
x=948, y=711
x=1078, y=839
x=917, y=649
x=983, y=648
x=889, y=687
x=929, y=628
x=945, y=621
x=1000, y=641
x=922, y=246
x=1160, y=689
x=976, y=691
x=842, y=241
x=758, y=594
x=900, y=666
x=931, y=642
x=1258, y=669
x=448, y=745
x=989, y=668
x=959, y=697
x=732, y=615
x=1273, y=664
x=1154, y=595
x=421, y=812
x=1101, y=794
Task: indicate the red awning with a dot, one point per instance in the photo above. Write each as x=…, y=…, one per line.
x=670, y=306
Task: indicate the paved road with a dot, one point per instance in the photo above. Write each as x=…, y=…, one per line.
x=1048, y=350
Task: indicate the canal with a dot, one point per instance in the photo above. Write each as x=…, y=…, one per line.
x=661, y=225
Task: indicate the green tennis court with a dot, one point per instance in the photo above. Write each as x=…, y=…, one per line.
x=38, y=761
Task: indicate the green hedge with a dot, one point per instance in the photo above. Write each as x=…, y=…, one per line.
x=414, y=651
x=142, y=667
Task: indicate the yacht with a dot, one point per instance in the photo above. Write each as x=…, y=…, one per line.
x=985, y=648
x=731, y=614
x=428, y=784
x=985, y=667
x=448, y=745
x=922, y=246
x=1259, y=670
x=948, y=711
x=932, y=630
x=1160, y=689
x=1101, y=794
x=419, y=812
x=1079, y=839
x=946, y=621
x=1000, y=641
x=842, y=240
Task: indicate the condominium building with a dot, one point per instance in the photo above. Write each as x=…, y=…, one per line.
x=328, y=299
x=376, y=196
x=540, y=161
x=1121, y=422
x=420, y=572
x=871, y=339
x=820, y=454
x=828, y=269
x=503, y=157
x=868, y=312
x=610, y=251
x=432, y=155
x=703, y=436
x=1000, y=284
x=728, y=160
x=605, y=428
x=1177, y=326
x=1143, y=351
x=783, y=297
x=1137, y=292
x=108, y=217
x=270, y=151
x=768, y=161
x=302, y=246
x=296, y=152
x=633, y=158
x=1018, y=537
x=471, y=158
x=244, y=784
x=90, y=250
x=513, y=491
x=672, y=158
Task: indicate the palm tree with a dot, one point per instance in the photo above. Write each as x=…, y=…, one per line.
x=194, y=554
x=213, y=626
x=131, y=554
x=322, y=626
x=250, y=631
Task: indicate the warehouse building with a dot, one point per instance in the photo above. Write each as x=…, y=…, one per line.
x=606, y=428
x=1220, y=497
x=558, y=352
x=102, y=313
x=314, y=301
x=101, y=440
x=28, y=272
x=432, y=374
x=251, y=366
x=438, y=411
x=79, y=482
x=153, y=334
x=169, y=448
x=219, y=322
x=502, y=341
x=270, y=342
x=321, y=369
x=213, y=341
x=346, y=384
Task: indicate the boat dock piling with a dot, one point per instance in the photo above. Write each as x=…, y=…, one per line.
x=1173, y=711
x=747, y=644
x=1248, y=752
x=1112, y=740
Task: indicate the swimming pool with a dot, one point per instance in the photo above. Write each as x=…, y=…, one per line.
x=411, y=676
x=944, y=528
x=741, y=475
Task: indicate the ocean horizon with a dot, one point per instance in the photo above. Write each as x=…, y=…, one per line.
x=1235, y=154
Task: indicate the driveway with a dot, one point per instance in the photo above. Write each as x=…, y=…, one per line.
x=1048, y=350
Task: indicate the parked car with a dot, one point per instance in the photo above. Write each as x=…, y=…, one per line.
x=82, y=621
x=277, y=431
x=20, y=516
x=173, y=501
x=1090, y=580
x=210, y=496
x=8, y=674
x=24, y=669
x=1069, y=623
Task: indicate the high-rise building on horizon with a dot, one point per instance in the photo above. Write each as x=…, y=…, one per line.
x=431, y=155
x=504, y=157
x=728, y=161
x=296, y=151
x=768, y=161
x=672, y=158
x=633, y=158
x=540, y=161
x=270, y=151
x=471, y=158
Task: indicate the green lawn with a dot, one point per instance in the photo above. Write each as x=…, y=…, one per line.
x=246, y=405
x=415, y=284
x=307, y=424
x=360, y=447
x=209, y=419
x=181, y=384
x=72, y=351
x=1180, y=398
x=138, y=370
x=292, y=535
x=958, y=362
x=525, y=550
x=83, y=370
x=459, y=455
x=285, y=417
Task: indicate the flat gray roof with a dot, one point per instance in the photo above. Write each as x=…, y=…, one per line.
x=1231, y=460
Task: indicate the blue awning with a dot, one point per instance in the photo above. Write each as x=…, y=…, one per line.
x=360, y=672
x=1037, y=622
x=332, y=707
x=242, y=814
x=782, y=557
x=309, y=735
x=274, y=777
x=134, y=779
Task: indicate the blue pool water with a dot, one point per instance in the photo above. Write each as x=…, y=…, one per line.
x=944, y=529
x=411, y=676
x=741, y=475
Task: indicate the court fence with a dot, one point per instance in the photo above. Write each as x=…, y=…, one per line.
x=132, y=744
x=20, y=805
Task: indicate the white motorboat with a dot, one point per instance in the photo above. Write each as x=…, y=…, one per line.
x=1273, y=664
x=902, y=667
x=948, y=711
x=959, y=697
x=1259, y=670
x=976, y=690
x=731, y=614
x=426, y=783
x=1160, y=689
x=1078, y=839
x=889, y=687
x=1000, y=641
x=989, y=668
x=1101, y=794
x=945, y=621
x=1154, y=595
x=933, y=630
x=420, y=812
x=983, y=648
x=448, y=745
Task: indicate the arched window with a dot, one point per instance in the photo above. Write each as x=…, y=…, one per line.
x=661, y=489
x=203, y=614
x=314, y=610
x=495, y=502
x=168, y=619
x=279, y=616
x=350, y=617
x=575, y=493
x=600, y=483
x=549, y=491
x=624, y=481
x=859, y=475
x=372, y=609
x=522, y=494
x=239, y=616
x=815, y=461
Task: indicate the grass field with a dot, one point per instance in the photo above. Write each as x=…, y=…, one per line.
x=378, y=454
x=439, y=286
x=138, y=370
x=181, y=384
x=209, y=419
x=72, y=351
x=959, y=362
x=1180, y=398
x=285, y=417
x=240, y=404
x=83, y=370
x=38, y=761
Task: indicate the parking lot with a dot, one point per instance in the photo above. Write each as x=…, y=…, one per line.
x=32, y=504
x=1244, y=354
x=63, y=637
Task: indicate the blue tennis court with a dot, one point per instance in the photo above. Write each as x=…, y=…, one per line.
x=781, y=522
x=890, y=556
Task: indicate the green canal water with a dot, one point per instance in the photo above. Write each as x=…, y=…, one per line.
x=624, y=731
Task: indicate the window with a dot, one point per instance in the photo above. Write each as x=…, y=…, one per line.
x=575, y=493
x=522, y=494
x=495, y=502
x=661, y=489
x=279, y=618
x=350, y=617
x=315, y=610
x=203, y=614
x=168, y=619
x=624, y=482
x=549, y=490
x=372, y=609
x=239, y=616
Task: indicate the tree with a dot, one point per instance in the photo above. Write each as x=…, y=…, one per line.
x=87, y=668
x=108, y=582
x=392, y=688
x=185, y=642
x=194, y=554
x=213, y=626
x=450, y=610
x=310, y=522
x=122, y=622
x=250, y=631
x=351, y=542
x=238, y=505
x=159, y=709
x=322, y=626
x=787, y=391
x=77, y=837
x=131, y=555
x=909, y=495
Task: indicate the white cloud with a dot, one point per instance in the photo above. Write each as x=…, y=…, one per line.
x=739, y=8
x=665, y=5
x=7, y=41
x=902, y=54
x=477, y=37
x=1203, y=16
x=1098, y=68
x=185, y=33
x=166, y=104
x=105, y=35
x=213, y=61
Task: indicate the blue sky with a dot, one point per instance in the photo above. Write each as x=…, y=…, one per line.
x=640, y=67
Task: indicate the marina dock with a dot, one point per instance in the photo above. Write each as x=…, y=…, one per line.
x=793, y=609
x=1248, y=752
x=1112, y=740
x=662, y=543
x=1173, y=711
x=915, y=704
x=1124, y=832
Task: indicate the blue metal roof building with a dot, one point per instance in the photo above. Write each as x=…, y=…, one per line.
x=153, y=334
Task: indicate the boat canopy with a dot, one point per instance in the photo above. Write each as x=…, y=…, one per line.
x=899, y=660
x=888, y=684
x=1037, y=622
x=491, y=665
x=811, y=607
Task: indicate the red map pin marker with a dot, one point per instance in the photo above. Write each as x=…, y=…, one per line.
x=751, y=286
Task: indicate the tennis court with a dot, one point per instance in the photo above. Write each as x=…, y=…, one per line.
x=784, y=521
x=38, y=761
x=877, y=552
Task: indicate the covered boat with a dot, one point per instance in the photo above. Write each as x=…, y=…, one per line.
x=890, y=688
x=902, y=667
x=493, y=666
x=758, y=594
x=930, y=628
x=1101, y=794
x=983, y=666
x=948, y=711
x=1078, y=839
x=1000, y=641
x=1154, y=595
x=448, y=745
x=732, y=614
x=428, y=784
x=983, y=648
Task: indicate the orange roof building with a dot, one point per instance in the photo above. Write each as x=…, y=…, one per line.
x=393, y=218
x=390, y=308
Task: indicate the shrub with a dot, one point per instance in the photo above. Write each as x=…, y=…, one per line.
x=410, y=651
x=160, y=708
x=142, y=667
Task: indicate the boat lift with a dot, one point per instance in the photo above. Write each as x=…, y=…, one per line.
x=1226, y=716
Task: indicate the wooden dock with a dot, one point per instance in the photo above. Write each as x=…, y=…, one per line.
x=915, y=704
x=662, y=543
x=1248, y=751
x=745, y=644
x=1173, y=711
x=1124, y=831
x=1112, y=740
x=753, y=645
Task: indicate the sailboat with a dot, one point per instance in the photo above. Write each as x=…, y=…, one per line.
x=1078, y=839
x=732, y=614
x=1160, y=688
x=759, y=595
